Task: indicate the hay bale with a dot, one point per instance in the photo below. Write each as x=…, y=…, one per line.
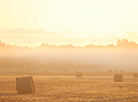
x=118, y=77
x=116, y=71
x=78, y=74
x=110, y=70
x=25, y=85
x=121, y=71
x=135, y=75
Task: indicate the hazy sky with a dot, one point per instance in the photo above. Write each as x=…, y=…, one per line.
x=79, y=22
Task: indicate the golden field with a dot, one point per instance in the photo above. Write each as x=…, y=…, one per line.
x=63, y=86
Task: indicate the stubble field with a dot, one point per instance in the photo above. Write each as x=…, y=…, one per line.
x=63, y=86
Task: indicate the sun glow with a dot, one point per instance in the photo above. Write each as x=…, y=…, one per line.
x=78, y=22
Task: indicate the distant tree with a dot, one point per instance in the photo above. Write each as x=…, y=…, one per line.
x=2, y=44
x=132, y=44
x=118, y=42
x=91, y=45
x=110, y=45
x=125, y=42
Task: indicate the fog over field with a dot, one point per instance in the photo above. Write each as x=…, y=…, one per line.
x=122, y=56
x=68, y=51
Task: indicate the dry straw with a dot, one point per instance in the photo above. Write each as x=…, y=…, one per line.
x=135, y=75
x=25, y=85
x=118, y=77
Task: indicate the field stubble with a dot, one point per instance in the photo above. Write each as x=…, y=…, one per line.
x=71, y=89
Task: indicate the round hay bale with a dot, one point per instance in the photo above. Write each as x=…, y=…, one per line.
x=121, y=71
x=25, y=85
x=118, y=77
x=78, y=74
x=135, y=74
x=116, y=71
x=110, y=70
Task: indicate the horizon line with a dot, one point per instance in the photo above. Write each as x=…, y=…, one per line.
x=69, y=44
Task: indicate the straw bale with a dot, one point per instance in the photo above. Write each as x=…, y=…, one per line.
x=135, y=75
x=118, y=77
x=121, y=71
x=25, y=85
x=78, y=74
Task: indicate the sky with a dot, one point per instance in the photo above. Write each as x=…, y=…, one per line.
x=60, y=22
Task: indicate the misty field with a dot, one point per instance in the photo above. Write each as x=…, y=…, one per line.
x=92, y=87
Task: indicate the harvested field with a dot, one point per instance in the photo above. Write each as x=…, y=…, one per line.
x=71, y=89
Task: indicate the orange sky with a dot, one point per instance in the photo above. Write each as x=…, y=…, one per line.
x=60, y=22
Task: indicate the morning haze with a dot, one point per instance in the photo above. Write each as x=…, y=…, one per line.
x=122, y=56
x=68, y=50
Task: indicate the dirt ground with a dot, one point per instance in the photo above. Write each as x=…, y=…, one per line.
x=92, y=87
